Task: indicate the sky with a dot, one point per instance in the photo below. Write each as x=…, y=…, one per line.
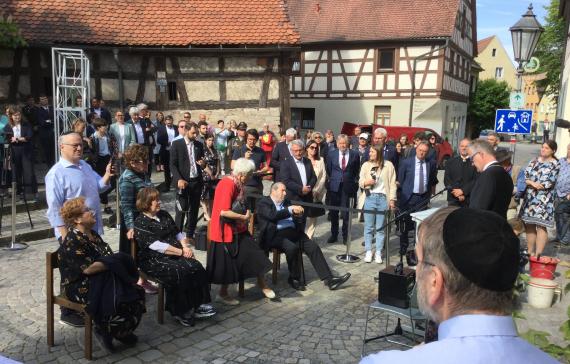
x=495, y=17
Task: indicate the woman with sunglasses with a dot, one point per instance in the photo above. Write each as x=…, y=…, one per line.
x=319, y=191
x=133, y=179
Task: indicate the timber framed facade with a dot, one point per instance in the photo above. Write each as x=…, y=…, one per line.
x=400, y=80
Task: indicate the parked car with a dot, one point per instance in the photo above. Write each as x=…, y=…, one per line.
x=483, y=134
x=394, y=133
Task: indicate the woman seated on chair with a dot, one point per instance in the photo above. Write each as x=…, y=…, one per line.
x=164, y=254
x=83, y=257
x=233, y=255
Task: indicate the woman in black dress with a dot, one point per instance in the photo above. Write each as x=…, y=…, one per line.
x=164, y=254
x=79, y=256
x=210, y=175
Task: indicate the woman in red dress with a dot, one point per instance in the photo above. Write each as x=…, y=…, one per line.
x=233, y=254
x=267, y=142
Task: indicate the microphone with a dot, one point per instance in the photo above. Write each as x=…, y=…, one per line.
x=561, y=123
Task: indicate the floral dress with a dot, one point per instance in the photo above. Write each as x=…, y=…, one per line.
x=76, y=253
x=211, y=160
x=538, y=207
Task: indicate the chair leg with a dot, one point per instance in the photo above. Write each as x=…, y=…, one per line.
x=302, y=267
x=241, y=289
x=88, y=338
x=275, y=267
x=160, y=304
x=365, y=331
x=49, y=323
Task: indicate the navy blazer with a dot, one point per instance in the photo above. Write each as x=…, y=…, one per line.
x=42, y=115
x=336, y=176
x=390, y=154
x=26, y=131
x=162, y=136
x=406, y=175
x=105, y=115
x=279, y=155
x=291, y=177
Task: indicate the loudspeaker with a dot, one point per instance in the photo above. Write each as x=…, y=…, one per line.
x=395, y=289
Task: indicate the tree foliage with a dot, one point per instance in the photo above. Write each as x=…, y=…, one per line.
x=10, y=35
x=489, y=96
x=550, y=49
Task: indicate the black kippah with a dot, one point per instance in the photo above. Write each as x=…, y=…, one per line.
x=482, y=247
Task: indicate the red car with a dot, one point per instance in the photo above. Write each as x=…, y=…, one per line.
x=445, y=151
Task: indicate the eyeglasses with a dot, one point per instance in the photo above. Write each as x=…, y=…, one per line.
x=473, y=155
x=318, y=137
x=119, y=115
x=312, y=147
x=181, y=126
x=74, y=146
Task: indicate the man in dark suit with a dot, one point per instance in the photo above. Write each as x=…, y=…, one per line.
x=165, y=134
x=281, y=152
x=186, y=164
x=143, y=130
x=460, y=176
x=100, y=111
x=46, y=117
x=343, y=169
x=390, y=154
x=418, y=178
x=278, y=228
x=494, y=187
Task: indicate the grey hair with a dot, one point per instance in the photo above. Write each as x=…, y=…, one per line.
x=317, y=133
x=61, y=138
x=423, y=142
x=342, y=136
x=298, y=142
x=381, y=131
x=142, y=106
x=465, y=296
x=243, y=167
x=133, y=110
x=481, y=146
x=276, y=185
x=291, y=132
x=493, y=134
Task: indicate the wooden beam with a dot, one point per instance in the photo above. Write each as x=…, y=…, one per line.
x=266, y=80
x=142, y=78
x=34, y=71
x=180, y=86
x=161, y=97
x=284, y=94
x=222, y=83
x=15, y=76
x=96, y=67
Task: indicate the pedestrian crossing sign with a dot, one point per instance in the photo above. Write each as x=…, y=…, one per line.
x=511, y=121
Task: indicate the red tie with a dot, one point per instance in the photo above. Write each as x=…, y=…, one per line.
x=343, y=166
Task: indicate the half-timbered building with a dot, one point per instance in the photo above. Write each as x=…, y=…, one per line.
x=229, y=59
x=405, y=62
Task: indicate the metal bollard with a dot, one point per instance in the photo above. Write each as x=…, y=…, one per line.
x=13, y=244
x=347, y=258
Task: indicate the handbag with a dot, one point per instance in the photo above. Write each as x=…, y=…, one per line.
x=316, y=211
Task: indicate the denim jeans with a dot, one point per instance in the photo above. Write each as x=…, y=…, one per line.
x=562, y=218
x=373, y=222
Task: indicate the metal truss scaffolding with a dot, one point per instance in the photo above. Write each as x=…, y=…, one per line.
x=70, y=71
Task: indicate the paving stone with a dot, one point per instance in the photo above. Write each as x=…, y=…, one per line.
x=150, y=355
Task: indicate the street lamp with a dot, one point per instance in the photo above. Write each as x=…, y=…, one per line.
x=525, y=34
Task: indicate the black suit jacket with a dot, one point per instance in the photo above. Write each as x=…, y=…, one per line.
x=147, y=135
x=492, y=190
x=105, y=115
x=45, y=128
x=390, y=154
x=347, y=178
x=267, y=219
x=180, y=160
x=291, y=177
x=280, y=154
x=162, y=136
x=26, y=131
x=462, y=175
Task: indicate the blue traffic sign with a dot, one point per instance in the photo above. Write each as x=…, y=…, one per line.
x=513, y=121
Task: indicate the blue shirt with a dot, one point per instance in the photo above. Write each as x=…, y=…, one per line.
x=563, y=182
x=65, y=181
x=470, y=339
x=284, y=223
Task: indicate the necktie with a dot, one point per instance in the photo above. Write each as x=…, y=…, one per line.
x=192, y=160
x=343, y=162
x=421, y=189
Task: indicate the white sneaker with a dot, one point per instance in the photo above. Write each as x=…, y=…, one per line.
x=377, y=258
x=368, y=257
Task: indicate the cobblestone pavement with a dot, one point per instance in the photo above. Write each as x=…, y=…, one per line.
x=315, y=326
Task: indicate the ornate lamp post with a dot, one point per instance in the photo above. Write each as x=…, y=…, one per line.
x=525, y=34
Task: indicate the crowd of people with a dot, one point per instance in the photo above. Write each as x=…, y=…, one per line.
x=220, y=167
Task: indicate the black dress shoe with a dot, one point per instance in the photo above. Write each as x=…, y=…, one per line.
x=129, y=340
x=298, y=286
x=344, y=240
x=336, y=282
x=72, y=318
x=332, y=239
x=105, y=340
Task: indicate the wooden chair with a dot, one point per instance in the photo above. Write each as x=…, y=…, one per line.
x=160, y=303
x=52, y=263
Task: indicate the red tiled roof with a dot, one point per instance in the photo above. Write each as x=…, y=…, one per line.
x=362, y=20
x=483, y=43
x=153, y=22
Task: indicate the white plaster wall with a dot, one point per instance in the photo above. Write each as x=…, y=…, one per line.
x=203, y=90
x=243, y=90
x=198, y=64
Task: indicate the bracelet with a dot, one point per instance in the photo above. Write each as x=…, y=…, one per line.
x=182, y=252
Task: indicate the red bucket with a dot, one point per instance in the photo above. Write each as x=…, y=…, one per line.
x=543, y=267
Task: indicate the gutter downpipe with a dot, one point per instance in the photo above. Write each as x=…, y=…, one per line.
x=120, y=76
x=418, y=58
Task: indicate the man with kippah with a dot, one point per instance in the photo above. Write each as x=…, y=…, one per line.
x=467, y=267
